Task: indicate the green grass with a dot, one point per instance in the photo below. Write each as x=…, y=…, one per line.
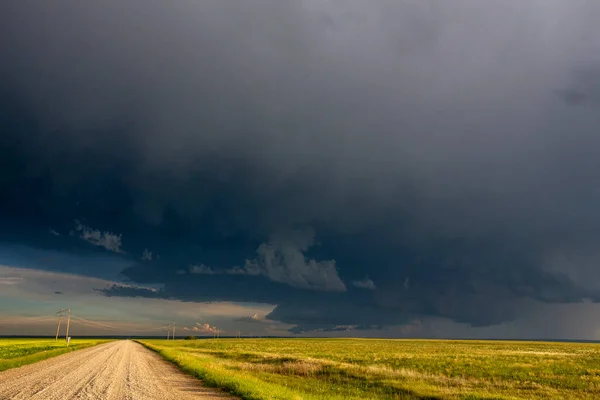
x=18, y=352
x=389, y=369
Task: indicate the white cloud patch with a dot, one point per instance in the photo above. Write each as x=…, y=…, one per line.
x=53, y=232
x=341, y=328
x=10, y=280
x=205, y=270
x=110, y=241
x=365, y=284
x=247, y=270
x=202, y=328
x=253, y=319
x=282, y=260
x=152, y=289
x=147, y=255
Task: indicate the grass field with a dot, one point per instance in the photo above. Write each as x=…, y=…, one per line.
x=17, y=352
x=389, y=369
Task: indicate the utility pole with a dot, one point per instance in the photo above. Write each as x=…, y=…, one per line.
x=61, y=315
x=58, y=326
x=67, y=338
x=171, y=331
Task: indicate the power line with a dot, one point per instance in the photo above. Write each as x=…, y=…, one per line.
x=66, y=314
x=26, y=320
x=88, y=322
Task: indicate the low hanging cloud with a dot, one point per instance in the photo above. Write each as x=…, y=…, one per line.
x=10, y=280
x=253, y=319
x=282, y=259
x=147, y=255
x=336, y=328
x=108, y=240
x=584, y=87
x=148, y=290
x=202, y=328
x=365, y=284
x=205, y=270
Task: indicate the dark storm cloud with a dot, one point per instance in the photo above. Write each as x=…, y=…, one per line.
x=584, y=88
x=335, y=328
x=465, y=292
x=423, y=144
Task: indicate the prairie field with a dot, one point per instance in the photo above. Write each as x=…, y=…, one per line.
x=18, y=352
x=389, y=369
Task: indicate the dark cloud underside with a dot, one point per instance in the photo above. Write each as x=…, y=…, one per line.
x=357, y=164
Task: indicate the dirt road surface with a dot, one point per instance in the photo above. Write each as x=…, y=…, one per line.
x=121, y=370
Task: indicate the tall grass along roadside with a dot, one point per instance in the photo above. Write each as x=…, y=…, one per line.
x=257, y=369
x=18, y=352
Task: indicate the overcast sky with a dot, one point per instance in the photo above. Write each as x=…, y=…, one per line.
x=307, y=167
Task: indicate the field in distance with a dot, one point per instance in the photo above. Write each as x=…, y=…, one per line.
x=389, y=369
x=17, y=352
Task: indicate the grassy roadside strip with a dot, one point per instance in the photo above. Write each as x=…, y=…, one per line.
x=262, y=383
x=356, y=369
x=33, y=358
x=215, y=375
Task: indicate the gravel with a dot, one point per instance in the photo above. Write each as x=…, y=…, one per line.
x=117, y=370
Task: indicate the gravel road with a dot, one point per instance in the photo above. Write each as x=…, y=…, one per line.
x=117, y=370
